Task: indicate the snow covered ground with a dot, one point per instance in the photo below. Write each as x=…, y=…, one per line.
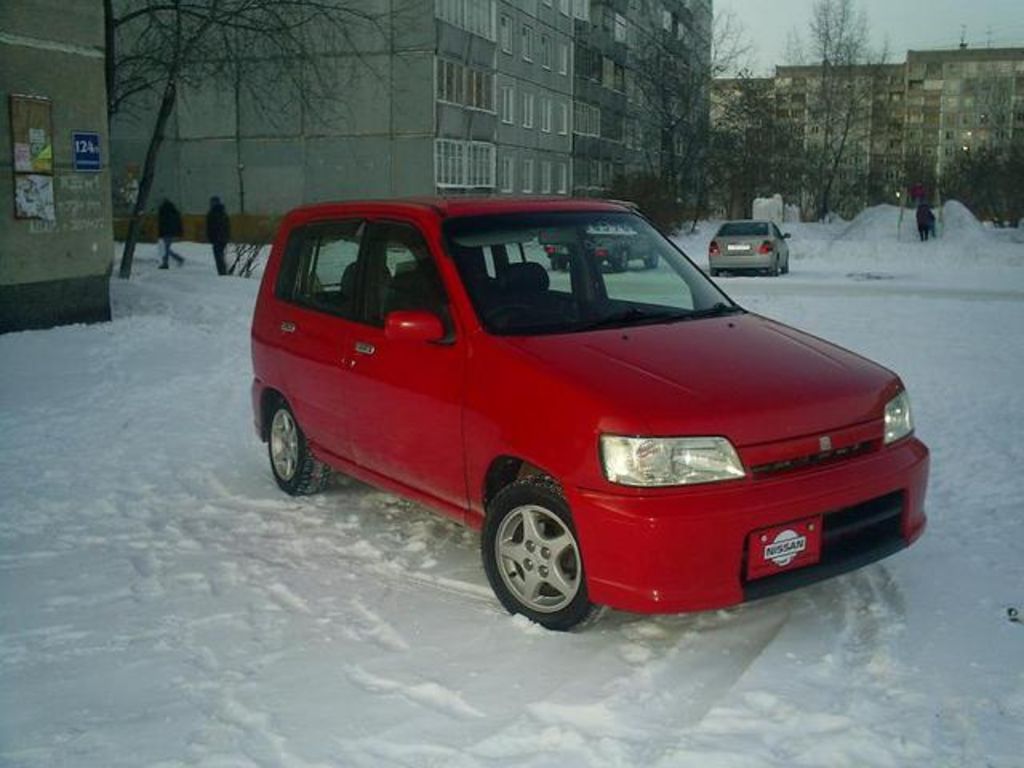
x=163, y=604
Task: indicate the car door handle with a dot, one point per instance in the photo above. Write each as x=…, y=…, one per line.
x=287, y=327
x=364, y=348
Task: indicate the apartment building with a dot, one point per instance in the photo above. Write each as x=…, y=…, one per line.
x=440, y=96
x=627, y=53
x=913, y=118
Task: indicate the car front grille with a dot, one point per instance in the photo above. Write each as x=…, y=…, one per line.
x=813, y=460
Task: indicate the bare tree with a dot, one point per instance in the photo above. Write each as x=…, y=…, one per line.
x=673, y=74
x=155, y=47
x=838, y=99
x=753, y=152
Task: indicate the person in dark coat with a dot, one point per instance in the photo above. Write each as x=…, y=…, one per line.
x=169, y=227
x=218, y=232
x=925, y=221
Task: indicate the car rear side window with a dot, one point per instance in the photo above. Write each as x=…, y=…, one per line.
x=319, y=269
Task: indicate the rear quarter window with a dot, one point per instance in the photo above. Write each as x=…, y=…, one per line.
x=319, y=267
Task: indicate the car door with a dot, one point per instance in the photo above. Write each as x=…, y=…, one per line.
x=406, y=396
x=317, y=286
x=783, y=246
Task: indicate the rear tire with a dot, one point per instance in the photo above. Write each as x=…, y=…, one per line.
x=532, y=557
x=296, y=470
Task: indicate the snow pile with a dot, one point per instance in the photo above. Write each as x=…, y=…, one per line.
x=769, y=209
x=960, y=225
x=880, y=223
x=162, y=603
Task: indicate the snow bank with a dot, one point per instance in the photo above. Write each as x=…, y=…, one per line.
x=769, y=209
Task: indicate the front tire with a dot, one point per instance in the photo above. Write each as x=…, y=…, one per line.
x=532, y=557
x=296, y=470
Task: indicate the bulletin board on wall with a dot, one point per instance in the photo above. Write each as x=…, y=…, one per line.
x=32, y=151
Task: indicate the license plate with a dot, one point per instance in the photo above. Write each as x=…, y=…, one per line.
x=737, y=247
x=783, y=547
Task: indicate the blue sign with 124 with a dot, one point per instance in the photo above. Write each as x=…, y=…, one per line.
x=85, y=151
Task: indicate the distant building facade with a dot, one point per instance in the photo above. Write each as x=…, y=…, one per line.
x=56, y=243
x=444, y=97
x=920, y=114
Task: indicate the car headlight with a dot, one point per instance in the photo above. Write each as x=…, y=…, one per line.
x=898, y=421
x=662, y=461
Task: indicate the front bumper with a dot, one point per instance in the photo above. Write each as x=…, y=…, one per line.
x=684, y=550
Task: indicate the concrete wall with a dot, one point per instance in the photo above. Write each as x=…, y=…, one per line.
x=263, y=151
x=52, y=273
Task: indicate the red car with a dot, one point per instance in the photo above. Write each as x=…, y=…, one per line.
x=635, y=440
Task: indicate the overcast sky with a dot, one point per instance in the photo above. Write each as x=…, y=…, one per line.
x=906, y=24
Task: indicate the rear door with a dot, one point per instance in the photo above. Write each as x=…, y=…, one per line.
x=406, y=397
x=317, y=311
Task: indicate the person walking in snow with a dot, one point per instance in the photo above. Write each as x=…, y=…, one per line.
x=169, y=227
x=218, y=232
x=925, y=221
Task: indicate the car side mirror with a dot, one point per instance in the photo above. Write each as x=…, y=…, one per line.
x=786, y=235
x=413, y=325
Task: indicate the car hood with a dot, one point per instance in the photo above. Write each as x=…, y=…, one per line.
x=741, y=376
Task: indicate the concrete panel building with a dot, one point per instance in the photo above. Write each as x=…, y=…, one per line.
x=921, y=114
x=442, y=97
x=56, y=242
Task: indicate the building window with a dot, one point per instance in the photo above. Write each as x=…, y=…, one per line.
x=563, y=179
x=620, y=28
x=545, y=51
x=563, y=58
x=508, y=174
x=527, y=110
x=527, y=42
x=563, y=6
x=666, y=21
x=474, y=16
x=563, y=118
x=463, y=164
x=545, y=177
x=545, y=115
x=581, y=9
x=586, y=119
x=508, y=104
x=465, y=86
x=607, y=72
x=527, y=175
x=505, y=30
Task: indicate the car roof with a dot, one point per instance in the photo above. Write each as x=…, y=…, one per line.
x=451, y=207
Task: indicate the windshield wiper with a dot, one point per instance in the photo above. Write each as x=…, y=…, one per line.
x=716, y=310
x=631, y=316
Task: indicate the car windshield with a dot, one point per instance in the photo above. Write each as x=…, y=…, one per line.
x=743, y=229
x=565, y=272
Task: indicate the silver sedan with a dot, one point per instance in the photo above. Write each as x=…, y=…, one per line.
x=749, y=245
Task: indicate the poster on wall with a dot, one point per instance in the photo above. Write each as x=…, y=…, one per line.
x=31, y=134
x=32, y=151
x=33, y=197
